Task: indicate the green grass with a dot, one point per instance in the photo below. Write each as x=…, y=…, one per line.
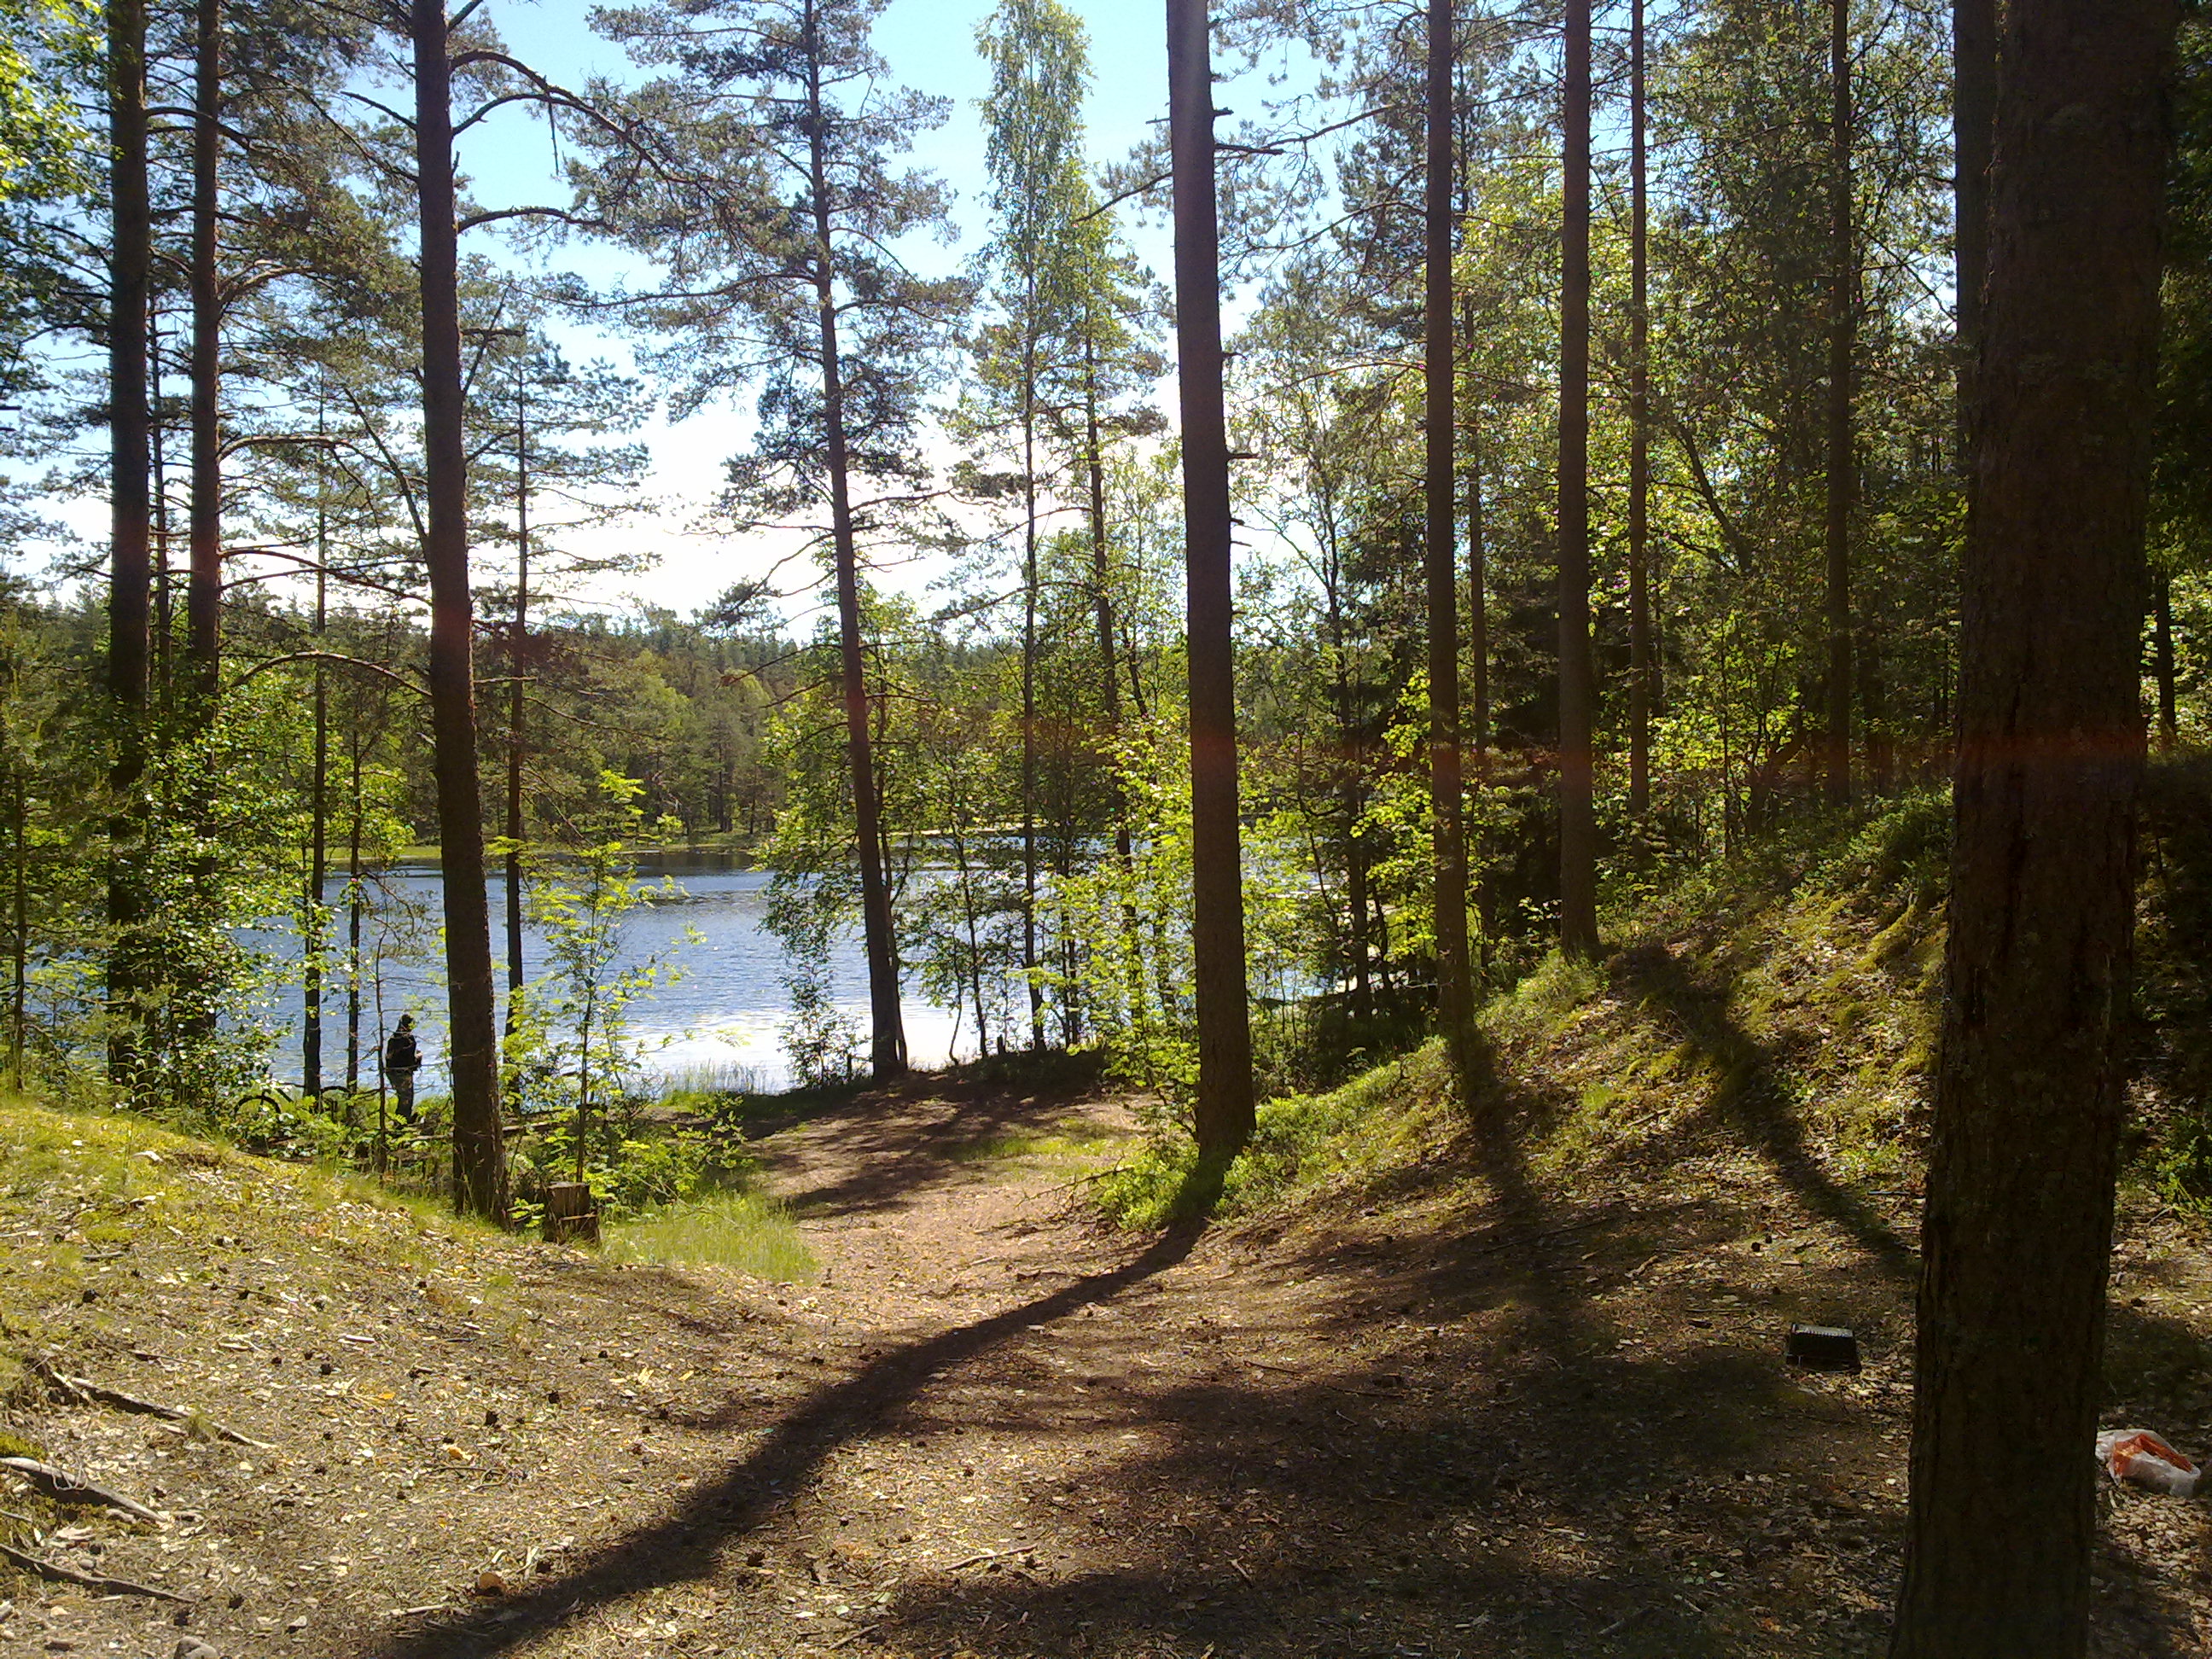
x=1044, y=1147
x=1298, y=1140
x=738, y=1229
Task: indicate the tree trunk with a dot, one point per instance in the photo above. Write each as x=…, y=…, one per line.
x=1102, y=579
x=1874, y=712
x=1578, y=681
x=1974, y=128
x=517, y=656
x=1224, y=1109
x=354, y=916
x=1350, y=806
x=130, y=262
x=887, y=1032
x=479, y=1154
x=1842, y=331
x=1029, y=673
x=1454, y=986
x=1478, y=588
x=20, y=929
x=2018, y=1225
x=2169, y=722
x=1640, y=432
x=315, y=941
x=204, y=534
x=161, y=680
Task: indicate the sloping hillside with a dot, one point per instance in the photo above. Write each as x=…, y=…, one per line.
x=1491, y=1389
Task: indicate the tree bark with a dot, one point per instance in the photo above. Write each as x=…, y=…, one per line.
x=479, y=1154
x=2018, y=1224
x=1225, y=1106
x=517, y=656
x=1101, y=580
x=130, y=267
x=315, y=934
x=1448, y=865
x=1973, y=130
x=1639, y=431
x=887, y=1030
x=1843, y=332
x=1477, y=588
x=1029, y=667
x=2162, y=665
x=1577, y=682
x=203, y=533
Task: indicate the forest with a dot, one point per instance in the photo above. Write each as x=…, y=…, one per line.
x=1534, y=495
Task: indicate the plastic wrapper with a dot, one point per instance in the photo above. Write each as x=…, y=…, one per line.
x=2142, y=1459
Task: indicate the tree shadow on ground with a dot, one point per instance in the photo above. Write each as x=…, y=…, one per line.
x=913, y=1133
x=1519, y=1473
x=1750, y=1098
x=684, y=1543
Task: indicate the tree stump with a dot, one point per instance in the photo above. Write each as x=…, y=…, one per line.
x=571, y=1217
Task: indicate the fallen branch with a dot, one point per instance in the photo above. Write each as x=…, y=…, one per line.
x=90, y=1393
x=65, y=1488
x=60, y=1574
x=989, y=1555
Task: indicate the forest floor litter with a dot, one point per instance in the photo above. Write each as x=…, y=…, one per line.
x=1460, y=1409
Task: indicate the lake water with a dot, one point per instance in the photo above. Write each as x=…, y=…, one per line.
x=723, y=1009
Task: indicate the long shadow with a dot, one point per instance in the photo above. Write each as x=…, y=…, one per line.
x=684, y=1545
x=1749, y=1099
x=1509, y=1436
x=892, y=1155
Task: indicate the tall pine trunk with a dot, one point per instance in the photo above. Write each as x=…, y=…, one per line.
x=130, y=266
x=1102, y=582
x=1029, y=663
x=2017, y=1231
x=1223, y=1108
x=518, y=656
x=2162, y=663
x=1974, y=128
x=1843, y=332
x=203, y=532
x=1578, y=679
x=1478, y=585
x=1449, y=875
x=1639, y=430
x=315, y=940
x=479, y=1155
x=887, y=1030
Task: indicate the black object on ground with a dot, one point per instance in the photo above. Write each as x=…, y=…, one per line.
x=1823, y=1347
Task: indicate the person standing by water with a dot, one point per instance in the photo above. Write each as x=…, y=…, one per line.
x=403, y=1058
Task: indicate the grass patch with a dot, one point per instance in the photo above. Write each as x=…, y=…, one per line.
x=1298, y=1140
x=754, y=1235
x=1023, y=1144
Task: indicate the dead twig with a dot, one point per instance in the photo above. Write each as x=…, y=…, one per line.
x=87, y=1392
x=989, y=1555
x=66, y=1488
x=60, y=1574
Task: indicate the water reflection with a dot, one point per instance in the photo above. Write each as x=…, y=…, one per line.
x=723, y=1010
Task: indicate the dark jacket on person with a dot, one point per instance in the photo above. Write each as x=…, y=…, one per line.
x=401, y=1052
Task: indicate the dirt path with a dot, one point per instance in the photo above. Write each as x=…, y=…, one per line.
x=1475, y=1418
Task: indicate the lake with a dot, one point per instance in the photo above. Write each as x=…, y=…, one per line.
x=724, y=1010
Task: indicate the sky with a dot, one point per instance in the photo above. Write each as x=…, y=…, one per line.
x=930, y=45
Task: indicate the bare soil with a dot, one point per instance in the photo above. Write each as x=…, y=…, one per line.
x=1464, y=1412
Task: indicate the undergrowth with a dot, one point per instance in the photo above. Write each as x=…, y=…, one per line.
x=1795, y=983
x=739, y=1230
